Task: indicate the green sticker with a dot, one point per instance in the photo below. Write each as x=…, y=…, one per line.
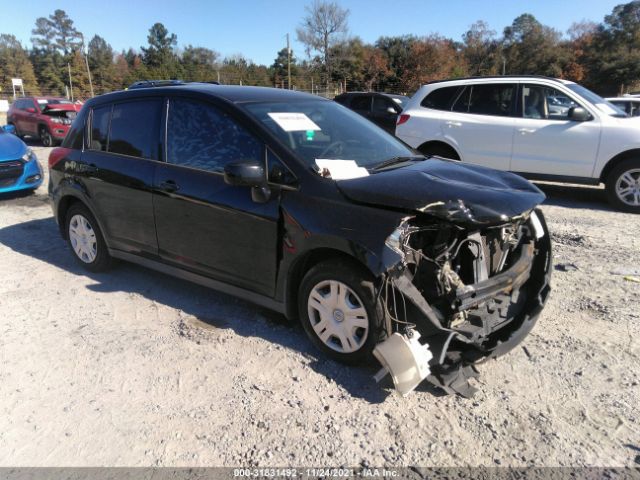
x=310, y=135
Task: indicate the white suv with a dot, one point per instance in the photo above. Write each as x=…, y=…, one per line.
x=541, y=128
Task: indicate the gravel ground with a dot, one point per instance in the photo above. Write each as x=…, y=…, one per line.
x=134, y=368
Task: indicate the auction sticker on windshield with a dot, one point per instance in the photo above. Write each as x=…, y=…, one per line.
x=341, y=169
x=293, y=121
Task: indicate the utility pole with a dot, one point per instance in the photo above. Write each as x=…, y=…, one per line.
x=70, y=81
x=288, y=64
x=86, y=61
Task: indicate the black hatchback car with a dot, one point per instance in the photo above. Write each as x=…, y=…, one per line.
x=296, y=203
x=381, y=108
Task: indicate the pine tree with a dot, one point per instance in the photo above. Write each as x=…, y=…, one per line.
x=159, y=57
x=79, y=79
x=48, y=68
x=199, y=64
x=15, y=63
x=100, y=57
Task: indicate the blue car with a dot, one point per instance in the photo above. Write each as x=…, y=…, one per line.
x=19, y=168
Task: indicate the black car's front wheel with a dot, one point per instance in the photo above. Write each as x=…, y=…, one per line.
x=339, y=311
x=86, y=240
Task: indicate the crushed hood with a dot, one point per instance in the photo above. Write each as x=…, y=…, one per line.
x=453, y=191
x=61, y=107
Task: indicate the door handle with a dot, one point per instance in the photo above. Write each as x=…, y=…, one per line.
x=452, y=124
x=169, y=186
x=525, y=131
x=89, y=168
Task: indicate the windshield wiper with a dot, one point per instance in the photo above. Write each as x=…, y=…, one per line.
x=395, y=160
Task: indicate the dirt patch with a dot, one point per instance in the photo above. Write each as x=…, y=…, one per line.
x=570, y=239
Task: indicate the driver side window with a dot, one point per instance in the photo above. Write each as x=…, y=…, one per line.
x=201, y=136
x=542, y=102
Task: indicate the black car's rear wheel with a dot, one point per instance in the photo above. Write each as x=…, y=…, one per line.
x=86, y=240
x=339, y=311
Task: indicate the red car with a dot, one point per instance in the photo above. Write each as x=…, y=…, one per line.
x=48, y=118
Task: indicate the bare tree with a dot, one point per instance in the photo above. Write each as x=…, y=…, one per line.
x=324, y=24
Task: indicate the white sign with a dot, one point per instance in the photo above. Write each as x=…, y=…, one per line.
x=293, y=122
x=341, y=169
x=16, y=82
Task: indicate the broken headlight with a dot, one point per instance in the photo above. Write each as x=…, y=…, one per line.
x=394, y=241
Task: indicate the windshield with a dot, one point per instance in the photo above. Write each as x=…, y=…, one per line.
x=602, y=104
x=320, y=131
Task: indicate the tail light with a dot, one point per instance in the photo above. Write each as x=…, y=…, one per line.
x=57, y=154
x=403, y=118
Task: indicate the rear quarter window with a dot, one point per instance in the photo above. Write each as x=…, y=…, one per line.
x=100, y=128
x=75, y=137
x=441, y=98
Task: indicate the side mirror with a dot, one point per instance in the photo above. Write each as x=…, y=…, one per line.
x=579, y=114
x=249, y=174
x=9, y=129
x=245, y=174
x=30, y=110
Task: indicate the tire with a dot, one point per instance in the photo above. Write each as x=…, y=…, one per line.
x=624, y=177
x=353, y=320
x=45, y=137
x=91, y=253
x=439, y=150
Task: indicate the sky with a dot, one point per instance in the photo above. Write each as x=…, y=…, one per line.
x=257, y=28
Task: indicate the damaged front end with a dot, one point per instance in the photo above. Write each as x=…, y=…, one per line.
x=457, y=292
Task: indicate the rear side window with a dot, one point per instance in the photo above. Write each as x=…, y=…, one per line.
x=100, y=128
x=487, y=99
x=361, y=103
x=342, y=100
x=201, y=136
x=135, y=129
x=441, y=98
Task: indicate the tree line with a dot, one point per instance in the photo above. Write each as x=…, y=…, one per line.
x=603, y=56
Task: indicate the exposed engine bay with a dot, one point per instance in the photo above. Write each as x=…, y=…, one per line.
x=63, y=116
x=468, y=292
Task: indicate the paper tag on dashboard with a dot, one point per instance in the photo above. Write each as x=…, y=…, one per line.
x=342, y=169
x=293, y=122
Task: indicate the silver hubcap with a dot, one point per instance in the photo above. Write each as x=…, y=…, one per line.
x=338, y=316
x=83, y=239
x=628, y=187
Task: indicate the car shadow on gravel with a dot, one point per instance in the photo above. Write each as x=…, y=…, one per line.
x=41, y=239
x=24, y=198
x=575, y=196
